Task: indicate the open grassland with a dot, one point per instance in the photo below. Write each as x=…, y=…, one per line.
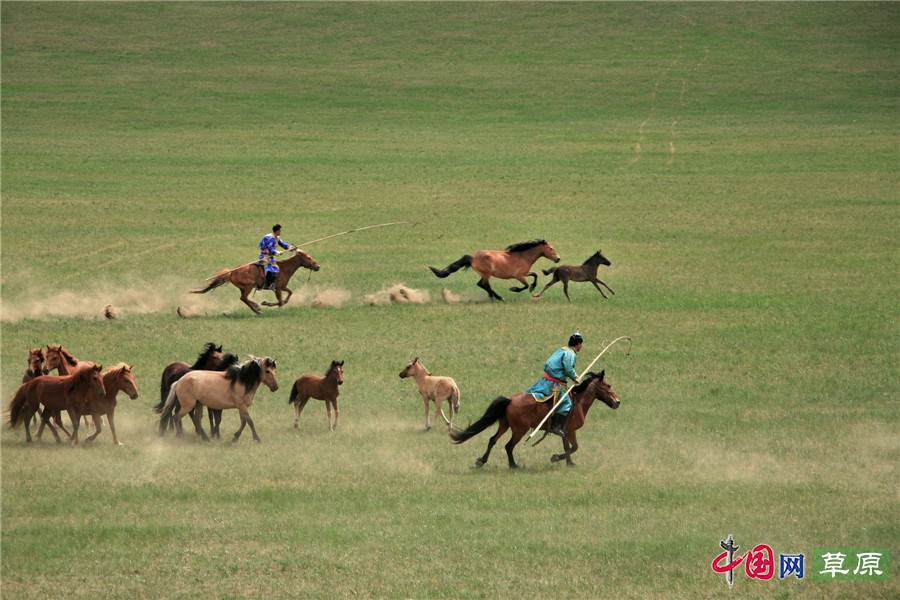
x=736, y=162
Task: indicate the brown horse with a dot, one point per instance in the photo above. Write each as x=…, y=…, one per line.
x=586, y=272
x=251, y=276
x=68, y=393
x=435, y=389
x=320, y=388
x=118, y=378
x=207, y=360
x=234, y=388
x=64, y=363
x=513, y=263
x=522, y=412
x=35, y=360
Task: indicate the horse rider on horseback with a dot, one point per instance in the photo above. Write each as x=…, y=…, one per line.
x=268, y=250
x=559, y=367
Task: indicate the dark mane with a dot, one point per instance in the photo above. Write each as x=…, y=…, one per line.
x=334, y=364
x=204, y=356
x=593, y=257
x=523, y=246
x=591, y=376
x=228, y=360
x=248, y=374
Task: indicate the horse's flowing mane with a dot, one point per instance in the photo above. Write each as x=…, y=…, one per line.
x=204, y=356
x=228, y=360
x=247, y=374
x=590, y=377
x=523, y=246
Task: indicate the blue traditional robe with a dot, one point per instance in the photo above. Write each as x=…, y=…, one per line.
x=267, y=250
x=559, y=367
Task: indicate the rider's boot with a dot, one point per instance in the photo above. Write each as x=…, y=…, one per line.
x=558, y=424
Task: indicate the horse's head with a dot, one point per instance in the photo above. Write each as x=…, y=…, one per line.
x=595, y=387
x=306, y=260
x=597, y=258
x=54, y=357
x=125, y=379
x=35, y=360
x=336, y=370
x=268, y=375
x=547, y=251
x=93, y=374
x=412, y=368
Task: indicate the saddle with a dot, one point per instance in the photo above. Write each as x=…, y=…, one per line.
x=552, y=398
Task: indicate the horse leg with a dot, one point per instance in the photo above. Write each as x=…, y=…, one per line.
x=501, y=429
x=569, y=448
x=46, y=420
x=328, y=411
x=245, y=420
x=76, y=421
x=197, y=418
x=516, y=436
x=98, y=427
x=337, y=413
x=427, y=413
x=566, y=288
x=534, y=280
x=521, y=279
x=439, y=410
x=298, y=408
x=245, y=292
x=552, y=281
x=595, y=281
x=486, y=286
x=112, y=428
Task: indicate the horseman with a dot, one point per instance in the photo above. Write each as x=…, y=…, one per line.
x=559, y=367
x=268, y=250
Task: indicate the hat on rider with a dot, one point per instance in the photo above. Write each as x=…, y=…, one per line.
x=576, y=338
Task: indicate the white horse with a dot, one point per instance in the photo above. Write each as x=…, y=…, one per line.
x=433, y=389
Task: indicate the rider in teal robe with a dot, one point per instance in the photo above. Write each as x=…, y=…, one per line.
x=559, y=367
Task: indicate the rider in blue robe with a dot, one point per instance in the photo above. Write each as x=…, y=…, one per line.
x=268, y=250
x=559, y=367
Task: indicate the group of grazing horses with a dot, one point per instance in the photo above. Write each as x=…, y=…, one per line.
x=81, y=388
x=513, y=263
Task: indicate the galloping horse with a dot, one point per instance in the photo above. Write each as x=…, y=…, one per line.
x=65, y=364
x=522, y=412
x=233, y=388
x=35, y=360
x=513, y=263
x=433, y=389
x=118, y=378
x=320, y=388
x=55, y=394
x=586, y=272
x=250, y=276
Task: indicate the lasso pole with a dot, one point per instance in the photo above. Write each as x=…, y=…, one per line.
x=564, y=396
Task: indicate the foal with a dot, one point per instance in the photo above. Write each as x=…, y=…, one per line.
x=433, y=389
x=586, y=272
x=320, y=388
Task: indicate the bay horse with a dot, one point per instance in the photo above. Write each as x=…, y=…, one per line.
x=321, y=388
x=233, y=388
x=206, y=360
x=586, y=272
x=35, y=360
x=433, y=388
x=513, y=263
x=68, y=393
x=252, y=276
x=64, y=363
x=116, y=379
x=522, y=412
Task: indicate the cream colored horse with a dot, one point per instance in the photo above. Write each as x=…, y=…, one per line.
x=234, y=388
x=433, y=389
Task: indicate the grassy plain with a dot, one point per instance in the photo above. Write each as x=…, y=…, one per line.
x=736, y=162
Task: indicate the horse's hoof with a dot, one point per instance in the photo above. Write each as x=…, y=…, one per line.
x=479, y=463
x=555, y=458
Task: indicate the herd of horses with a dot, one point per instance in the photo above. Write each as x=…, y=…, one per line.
x=219, y=381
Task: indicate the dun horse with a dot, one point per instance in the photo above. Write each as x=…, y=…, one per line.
x=522, y=412
x=513, y=263
x=251, y=276
x=320, y=388
x=233, y=388
x=119, y=378
x=586, y=272
x=55, y=394
x=433, y=389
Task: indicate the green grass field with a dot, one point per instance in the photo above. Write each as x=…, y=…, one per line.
x=735, y=161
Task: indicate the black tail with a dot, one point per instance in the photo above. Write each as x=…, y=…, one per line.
x=464, y=263
x=550, y=271
x=494, y=413
x=294, y=394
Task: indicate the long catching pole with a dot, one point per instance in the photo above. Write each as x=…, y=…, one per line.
x=564, y=396
x=327, y=237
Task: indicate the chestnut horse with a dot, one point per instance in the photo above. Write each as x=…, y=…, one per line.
x=251, y=276
x=233, y=388
x=65, y=364
x=35, y=360
x=586, y=272
x=513, y=263
x=118, y=378
x=68, y=393
x=320, y=388
x=522, y=412
x=433, y=389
